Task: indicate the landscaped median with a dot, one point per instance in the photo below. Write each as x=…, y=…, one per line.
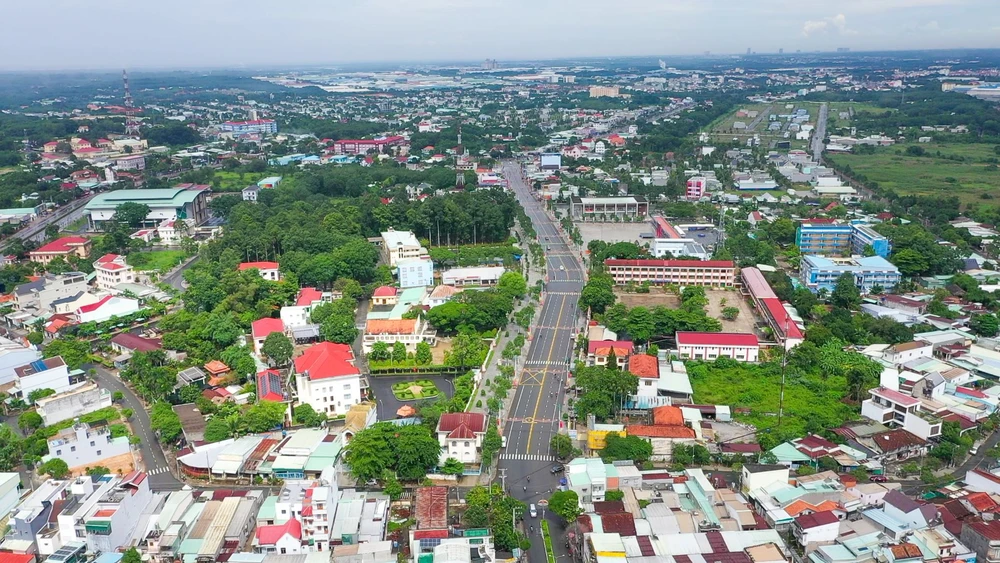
x=411, y=390
x=550, y=557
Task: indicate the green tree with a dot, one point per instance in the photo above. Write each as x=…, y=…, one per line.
x=10, y=448
x=491, y=444
x=452, y=467
x=98, y=471
x=369, y=453
x=845, y=293
x=379, y=352
x=131, y=213
x=986, y=324
x=416, y=451
x=561, y=446
x=264, y=416
x=29, y=421
x=476, y=517
x=423, y=355
x=565, y=504
x=398, y=352
x=73, y=351
x=117, y=396
x=165, y=422
x=910, y=262
x=40, y=394
x=188, y=393
x=598, y=294
x=217, y=429
x=603, y=391
x=339, y=329
x=278, y=348
x=54, y=468
x=620, y=448
x=307, y=415
x=640, y=324
x=392, y=487
x=131, y=556
x=614, y=495
x=512, y=284
x=730, y=313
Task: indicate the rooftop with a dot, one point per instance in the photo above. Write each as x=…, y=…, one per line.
x=325, y=360
x=161, y=197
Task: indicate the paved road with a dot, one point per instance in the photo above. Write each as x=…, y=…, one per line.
x=820, y=132
x=160, y=478
x=536, y=408
x=175, y=279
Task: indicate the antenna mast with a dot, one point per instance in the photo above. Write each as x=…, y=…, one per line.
x=131, y=123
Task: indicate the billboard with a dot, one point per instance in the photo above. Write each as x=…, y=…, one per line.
x=551, y=161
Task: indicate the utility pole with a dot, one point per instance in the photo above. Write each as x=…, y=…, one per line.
x=784, y=362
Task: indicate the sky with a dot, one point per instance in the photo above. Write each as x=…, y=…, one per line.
x=143, y=34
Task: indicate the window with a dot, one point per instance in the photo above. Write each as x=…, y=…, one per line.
x=467, y=444
x=58, y=452
x=92, y=443
x=98, y=452
x=282, y=550
x=72, y=448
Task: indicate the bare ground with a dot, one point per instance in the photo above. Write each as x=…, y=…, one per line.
x=120, y=464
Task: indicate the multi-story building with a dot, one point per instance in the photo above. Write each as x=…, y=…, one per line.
x=44, y=294
x=84, y=446
x=818, y=272
x=111, y=522
x=50, y=373
x=298, y=315
x=327, y=379
x=131, y=162
x=588, y=477
x=479, y=277
x=696, y=187
x=408, y=331
x=598, y=352
x=983, y=537
x=890, y=407
x=461, y=436
x=112, y=270
x=250, y=193
x=707, y=273
x=767, y=304
x=401, y=245
x=267, y=270
x=71, y=404
x=184, y=201
x=827, y=239
x=364, y=146
x=14, y=355
x=262, y=328
x=604, y=92
x=312, y=506
x=713, y=345
x=64, y=248
x=250, y=126
x=600, y=208
x=33, y=513
x=415, y=272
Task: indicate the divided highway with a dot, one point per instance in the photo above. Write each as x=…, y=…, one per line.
x=537, y=405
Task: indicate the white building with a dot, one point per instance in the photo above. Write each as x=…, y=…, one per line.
x=115, y=517
x=10, y=492
x=73, y=403
x=755, y=476
x=326, y=378
x=893, y=408
x=408, y=331
x=481, y=276
x=262, y=328
x=712, y=345
x=906, y=351
x=309, y=298
x=83, y=446
x=50, y=373
x=461, y=436
x=588, y=477
x=267, y=270
x=106, y=308
x=660, y=247
x=401, y=245
x=817, y=528
x=415, y=272
x=112, y=270
x=313, y=504
x=14, y=355
x=250, y=193
x=169, y=231
x=284, y=538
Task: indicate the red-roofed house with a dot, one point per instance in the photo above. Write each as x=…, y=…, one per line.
x=112, y=270
x=713, y=345
x=309, y=298
x=267, y=270
x=461, y=436
x=599, y=350
x=668, y=428
x=644, y=366
x=107, y=307
x=281, y=538
x=64, y=247
x=269, y=386
x=261, y=328
x=820, y=527
x=326, y=378
x=385, y=295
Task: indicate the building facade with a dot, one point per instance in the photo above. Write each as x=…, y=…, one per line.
x=64, y=248
x=710, y=346
x=250, y=126
x=111, y=270
x=598, y=208
x=818, y=272
x=401, y=245
x=484, y=276
x=415, y=272
x=327, y=379
x=84, y=446
x=184, y=201
x=707, y=273
x=840, y=240
x=364, y=146
x=461, y=436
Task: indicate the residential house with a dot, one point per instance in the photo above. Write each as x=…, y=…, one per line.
x=898, y=409
x=817, y=528
x=267, y=270
x=385, y=295
x=106, y=308
x=64, y=248
x=262, y=328
x=461, y=436
x=327, y=379
x=485, y=276
x=709, y=346
x=71, y=404
x=50, y=373
x=983, y=537
x=415, y=272
x=401, y=245
x=111, y=521
x=14, y=355
x=598, y=352
x=112, y=270
x=408, y=331
x=298, y=315
x=668, y=428
x=588, y=477
x=84, y=446
x=440, y=295
x=250, y=193
x=907, y=351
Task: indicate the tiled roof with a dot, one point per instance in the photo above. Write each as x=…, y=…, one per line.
x=269, y=535
x=668, y=415
x=64, y=244
x=308, y=296
x=644, y=365
x=269, y=386
x=462, y=425
x=384, y=291
x=258, y=266
x=621, y=523
x=135, y=342
x=681, y=432
x=391, y=326
x=725, y=264
x=807, y=521
x=989, y=530
x=603, y=347
x=896, y=440
x=216, y=367
x=325, y=360
x=263, y=327
x=94, y=306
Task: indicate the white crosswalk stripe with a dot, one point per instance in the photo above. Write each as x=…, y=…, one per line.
x=527, y=457
x=157, y=471
x=530, y=363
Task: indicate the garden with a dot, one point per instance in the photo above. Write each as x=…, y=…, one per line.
x=415, y=390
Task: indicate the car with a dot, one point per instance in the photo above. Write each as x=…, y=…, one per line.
x=557, y=469
x=503, y=441
x=878, y=478
x=533, y=511
x=974, y=451
x=562, y=268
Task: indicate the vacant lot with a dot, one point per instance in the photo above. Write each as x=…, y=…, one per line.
x=722, y=129
x=614, y=232
x=719, y=299
x=930, y=174
x=836, y=108
x=655, y=298
x=161, y=260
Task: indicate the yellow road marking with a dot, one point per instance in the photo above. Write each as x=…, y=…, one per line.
x=538, y=401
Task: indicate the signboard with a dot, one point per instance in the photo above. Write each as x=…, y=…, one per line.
x=551, y=161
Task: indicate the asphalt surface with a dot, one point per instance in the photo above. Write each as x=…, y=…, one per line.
x=175, y=279
x=820, y=133
x=535, y=412
x=154, y=462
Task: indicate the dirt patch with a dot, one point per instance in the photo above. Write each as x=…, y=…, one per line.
x=656, y=297
x=719, y=299
x=614, y=232
x=119, y=465
x=437, y=352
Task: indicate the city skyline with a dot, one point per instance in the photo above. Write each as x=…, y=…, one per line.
x=255, y=33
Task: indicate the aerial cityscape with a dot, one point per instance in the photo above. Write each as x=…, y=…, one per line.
x=691, y=283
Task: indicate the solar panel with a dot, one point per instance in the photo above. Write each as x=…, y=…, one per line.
x=39, y=365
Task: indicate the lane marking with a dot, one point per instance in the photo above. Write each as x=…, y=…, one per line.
x=552, y=348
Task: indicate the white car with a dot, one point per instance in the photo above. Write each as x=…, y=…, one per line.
x=562, y=268
x=532, y=511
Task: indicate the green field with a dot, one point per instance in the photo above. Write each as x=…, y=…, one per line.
x=837, y=107
x=162, y=260
x=892, y=169
x=231, y=181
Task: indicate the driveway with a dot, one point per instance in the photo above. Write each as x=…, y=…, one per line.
x=388, y=404
x=155, y=463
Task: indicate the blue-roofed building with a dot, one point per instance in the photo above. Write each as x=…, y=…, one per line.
x=818, y=272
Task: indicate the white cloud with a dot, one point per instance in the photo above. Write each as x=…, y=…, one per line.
x=837, y=23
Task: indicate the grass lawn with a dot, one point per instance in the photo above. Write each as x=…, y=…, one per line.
x=413, y=390
x=230, y=181
x=162, y=260
x=929, y=175
x=75, y=225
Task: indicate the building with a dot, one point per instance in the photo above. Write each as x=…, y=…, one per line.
x=10, y=493
x=50, y=373
x=269, y=182
x=72, y=404
x=604, y=208
x=818, y=527
x=283, y=538
x=185, y=201
x=267, y=270
x=326, y=378
x=84, y=446
x=64, y=248
x=599, y=352
x=604, y=92
x=461, y=436
x=696, y=187
x=710, y=346
x=767, y=304
x=983, y=537
x=415, y=272
x=251, y=126
x=111, y=521
x=111, y=270
x=678, y=248
x=707, y=273
x=897, y=409
x=298, y=315
x=365, y=146
x=588, y=477
x=408, y=331
x=483, y=276
x=14, y=355
x=401, y=245
x=106, y=308
x=48, y=293
x=131, y=162
x=840, y=240
x=262, y=328
x=818, y=272
x=250, y=193
x=312, y=506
